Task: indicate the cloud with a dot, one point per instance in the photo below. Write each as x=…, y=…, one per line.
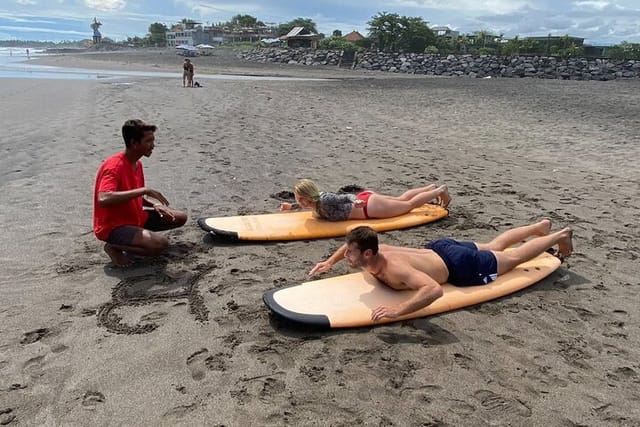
x=607, y=22
x=41, y=30
x=25, y=18
x=497, y=6
x=218, y=9
x=599, y=5
x=106, y=5
x=26, y=2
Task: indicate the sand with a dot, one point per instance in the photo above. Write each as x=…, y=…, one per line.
x=185, y=339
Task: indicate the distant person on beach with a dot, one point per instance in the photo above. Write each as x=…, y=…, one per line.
x=187, y=73
x=442, y=261
x=364, y=205
x=123, y=215
x=28, y=57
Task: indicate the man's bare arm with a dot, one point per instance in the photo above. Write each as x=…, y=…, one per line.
x=428, y=290
x=326, y=265
x=112, y=198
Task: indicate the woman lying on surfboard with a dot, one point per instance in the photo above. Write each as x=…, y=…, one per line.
x=364, y=205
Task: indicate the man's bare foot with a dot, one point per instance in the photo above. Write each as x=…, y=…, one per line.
x=444, y=199
x=565, y=243
x=543, y=227
x=118, y=257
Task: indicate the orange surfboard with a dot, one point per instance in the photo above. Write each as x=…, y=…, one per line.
x=346, y=301
x=302, y=225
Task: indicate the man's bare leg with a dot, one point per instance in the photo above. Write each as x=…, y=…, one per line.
x=118, y=257
x=444, y=198
x=517, y=235
x=508, y=260
x=144, y=243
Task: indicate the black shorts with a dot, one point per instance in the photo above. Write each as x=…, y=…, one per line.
x=468, y=266
x=124, y=234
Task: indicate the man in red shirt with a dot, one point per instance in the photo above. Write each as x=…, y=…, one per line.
x=123, y=215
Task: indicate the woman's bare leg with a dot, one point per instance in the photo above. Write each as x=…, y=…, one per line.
x=385, y=207
x=410, y=194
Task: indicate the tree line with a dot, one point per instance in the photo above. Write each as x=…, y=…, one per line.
x=391, y=32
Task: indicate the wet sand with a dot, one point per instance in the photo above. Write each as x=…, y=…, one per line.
x=185, y=339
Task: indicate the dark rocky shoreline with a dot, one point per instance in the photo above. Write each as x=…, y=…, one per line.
x=483, y=66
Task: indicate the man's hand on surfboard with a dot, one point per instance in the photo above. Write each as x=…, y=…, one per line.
x=383, y=311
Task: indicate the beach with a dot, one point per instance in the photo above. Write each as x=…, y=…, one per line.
x=185, y=339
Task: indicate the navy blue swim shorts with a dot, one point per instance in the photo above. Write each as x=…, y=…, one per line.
x=467, y=265
x=124, y=234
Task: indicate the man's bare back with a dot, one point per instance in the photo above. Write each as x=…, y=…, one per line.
x=398, y=260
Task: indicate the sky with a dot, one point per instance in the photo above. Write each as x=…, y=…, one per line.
x=598, y=21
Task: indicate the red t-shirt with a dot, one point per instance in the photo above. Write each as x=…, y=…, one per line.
x=117, y=174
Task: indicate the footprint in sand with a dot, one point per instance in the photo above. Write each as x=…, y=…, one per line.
x=512, y=341
x=91, y=399
x=271, y=387
x=58, y=348
x=7, y=416
x=499, y=405
x=196, y=364
x=217, y=362
x=463, y=361
x=179, y=411
x=33, y=366
x=33, y=336
x=459, y=407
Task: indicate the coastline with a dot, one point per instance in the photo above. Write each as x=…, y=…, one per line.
x=222, y=61
x=563, y=352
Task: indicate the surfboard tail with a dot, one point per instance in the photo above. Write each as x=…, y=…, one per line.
x=229, y=236
x=316, y=321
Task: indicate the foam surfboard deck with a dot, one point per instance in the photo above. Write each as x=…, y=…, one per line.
x=346, y=301
x=303, y=225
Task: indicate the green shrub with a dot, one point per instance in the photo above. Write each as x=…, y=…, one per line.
x=338, y=43
x=431, y=50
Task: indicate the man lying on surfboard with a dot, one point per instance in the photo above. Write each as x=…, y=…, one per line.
x=364, y=205
x=442, y=261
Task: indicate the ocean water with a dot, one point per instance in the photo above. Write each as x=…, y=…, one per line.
x=15, y=63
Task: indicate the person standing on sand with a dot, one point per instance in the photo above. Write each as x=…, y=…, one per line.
x=443, y=260
x=187, y=73
x=123, y=216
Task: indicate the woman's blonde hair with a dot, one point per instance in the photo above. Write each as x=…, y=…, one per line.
x=307, y=188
